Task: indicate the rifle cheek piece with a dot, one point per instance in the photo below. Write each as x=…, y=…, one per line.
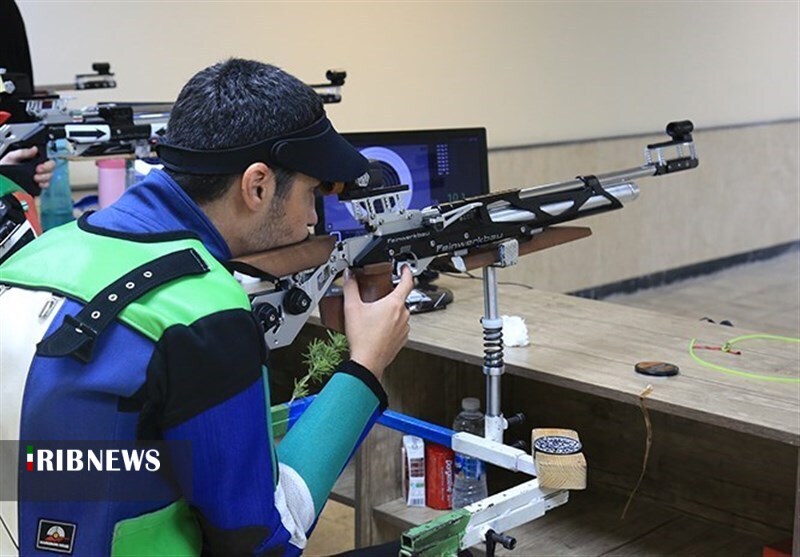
x=316, y=150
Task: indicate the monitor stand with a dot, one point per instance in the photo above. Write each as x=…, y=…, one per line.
x=427, y=296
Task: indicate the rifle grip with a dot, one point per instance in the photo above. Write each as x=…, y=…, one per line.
x=331, y=311
x=374, y=282
x=22, y=174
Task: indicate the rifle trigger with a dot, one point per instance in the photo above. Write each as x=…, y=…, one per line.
x=458, y=263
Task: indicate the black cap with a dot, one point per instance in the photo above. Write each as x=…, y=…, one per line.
x=317, y=150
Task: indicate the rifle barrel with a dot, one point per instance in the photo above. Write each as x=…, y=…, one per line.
x=607, y=180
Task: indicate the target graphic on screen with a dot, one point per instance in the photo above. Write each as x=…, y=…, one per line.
x=389, y=175
x=395, y=170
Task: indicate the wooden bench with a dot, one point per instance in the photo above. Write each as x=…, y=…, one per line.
x=722, y=477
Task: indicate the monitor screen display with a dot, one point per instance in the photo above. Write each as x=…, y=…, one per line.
x=437, y=165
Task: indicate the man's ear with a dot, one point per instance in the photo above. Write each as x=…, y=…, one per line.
x=257, y=186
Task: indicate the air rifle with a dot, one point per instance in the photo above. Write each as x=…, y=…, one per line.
x=493, y=229
x=127, y=130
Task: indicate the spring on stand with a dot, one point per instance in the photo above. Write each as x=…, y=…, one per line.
x=493, y=347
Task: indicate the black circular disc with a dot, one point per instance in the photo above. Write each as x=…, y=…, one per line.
x=657, y=369
x=557, y=444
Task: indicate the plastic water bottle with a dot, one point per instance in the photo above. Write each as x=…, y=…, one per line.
x=56, y=201
x=112, y=176
x=469, y=474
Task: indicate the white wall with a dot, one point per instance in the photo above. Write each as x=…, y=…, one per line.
x=530, y=72
x=744, y=196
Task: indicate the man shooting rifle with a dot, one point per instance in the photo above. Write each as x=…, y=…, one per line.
x=126, y=325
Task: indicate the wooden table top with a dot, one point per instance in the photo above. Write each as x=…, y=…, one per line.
x=592, y=346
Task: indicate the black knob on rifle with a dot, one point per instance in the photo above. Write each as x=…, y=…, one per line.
x=103, y=68
x=336, y=77
x=268, y=315
x=680, y=131
x=296, y=302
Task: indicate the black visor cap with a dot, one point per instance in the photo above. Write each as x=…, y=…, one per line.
x=317, y=151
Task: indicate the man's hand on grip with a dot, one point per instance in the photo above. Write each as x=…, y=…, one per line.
x=376, y=330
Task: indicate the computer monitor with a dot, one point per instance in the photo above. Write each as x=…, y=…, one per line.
x=437, y=165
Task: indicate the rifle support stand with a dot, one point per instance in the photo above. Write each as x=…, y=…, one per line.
x=505, y=255
x=493, y=366
x=558, y=470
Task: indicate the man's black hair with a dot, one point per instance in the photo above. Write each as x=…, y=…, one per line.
x=235, y=103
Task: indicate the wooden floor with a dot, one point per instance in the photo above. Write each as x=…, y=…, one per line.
x=762, y=296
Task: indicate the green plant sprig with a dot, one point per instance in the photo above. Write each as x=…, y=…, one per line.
x=322, y=358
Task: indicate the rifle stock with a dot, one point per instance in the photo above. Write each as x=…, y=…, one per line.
x=483, y=257
x=375, y=280
x=286, y=260
x=316, y=250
